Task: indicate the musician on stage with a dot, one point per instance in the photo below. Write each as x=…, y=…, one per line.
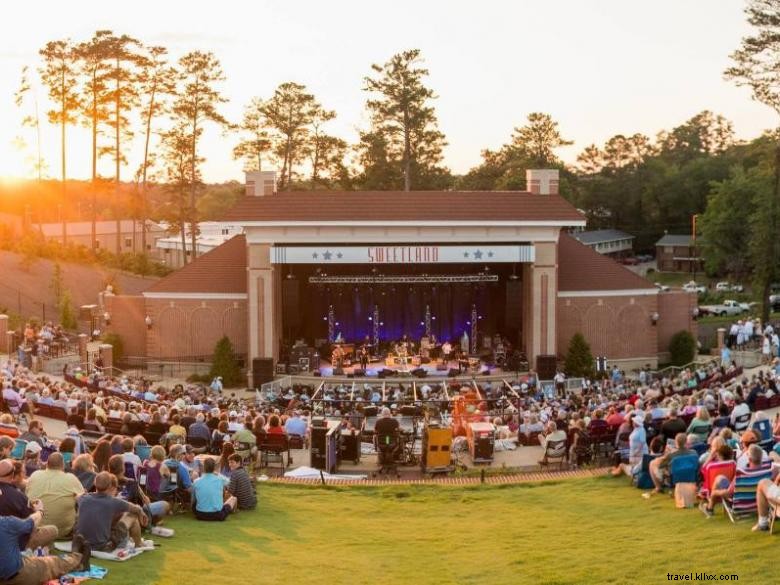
x=363, y=358
x=446, y=350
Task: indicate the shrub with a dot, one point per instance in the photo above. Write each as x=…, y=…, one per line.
x=224, y=364
x=67, y=313
x=682, y=348
x=579, y=360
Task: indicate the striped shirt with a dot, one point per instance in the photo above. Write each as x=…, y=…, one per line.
x=241, y=487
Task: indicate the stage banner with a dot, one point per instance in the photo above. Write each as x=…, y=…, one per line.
x=414, y=254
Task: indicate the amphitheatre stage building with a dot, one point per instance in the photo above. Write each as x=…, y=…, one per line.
x=362, y=283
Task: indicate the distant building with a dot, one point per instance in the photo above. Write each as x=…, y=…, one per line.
x=676, y=253
x=612, y=243
x=212, y=234
x=130, y=234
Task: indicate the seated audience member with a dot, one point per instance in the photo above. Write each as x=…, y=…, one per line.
x=84, y=469
x=7, y=445
x=32, y=458
x=8, y=427
x=192, y=463
x=295, y=425
x=129, y=457
x=16, y=569
x=207, y=501
x=101, y=453
x=130, y=491
x=107, y=522
x=767, y=490
x=245, y=442
x=700, y=426
x=199, y=429
x=721, y=485
x=659, y=467
x=723, y=419
x=154, y=472
x=748, y=439
x=275, y=425
x=553, y=434
x=173, y=463
x=223, y=467
x=673, y=426
x=614, y=418
x=241, y=485
x=176, y=428
x=219, y=436
x=740, y=409
x=58, y=491
x=34, y=433
x=13, y=502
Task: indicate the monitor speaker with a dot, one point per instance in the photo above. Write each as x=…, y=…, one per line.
x=359, y=372
x=338, y=371
x=419, y=373
x=453, y=372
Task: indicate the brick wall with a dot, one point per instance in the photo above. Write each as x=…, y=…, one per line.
x=184, y=328
x=676, y=311
x=615, y=327
x=127, y=320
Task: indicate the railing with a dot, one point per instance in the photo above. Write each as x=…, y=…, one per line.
x=672, y=371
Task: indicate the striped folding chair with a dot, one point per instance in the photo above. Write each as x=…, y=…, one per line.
x=710, y=473
x=742, y=502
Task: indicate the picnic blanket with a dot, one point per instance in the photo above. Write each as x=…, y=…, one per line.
x=119, y=554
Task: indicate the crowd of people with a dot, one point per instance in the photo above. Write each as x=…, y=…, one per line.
x=134, y=450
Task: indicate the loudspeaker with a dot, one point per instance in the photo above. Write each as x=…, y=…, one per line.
x=350, y=375
x=359, y=372
x=316, y=373
x=338, y=371
x=281, y=369
x=546, y=366
x=291, y=312
x=262, y=370
x=370, y=411
x=408, y=411
x=419, y=373
x=453, y=372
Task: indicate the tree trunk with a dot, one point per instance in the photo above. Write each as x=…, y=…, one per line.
x=143, y=205
x=94, y=164
x=407, y=155
x=117, y=158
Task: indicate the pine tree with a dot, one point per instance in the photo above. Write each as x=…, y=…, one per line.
x=224, y=363
x=57, y=283
x=579, y=360
x=67, y=313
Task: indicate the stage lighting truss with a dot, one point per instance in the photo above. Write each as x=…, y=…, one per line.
x=400, y=279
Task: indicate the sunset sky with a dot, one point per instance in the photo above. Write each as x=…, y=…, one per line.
x=599, y=67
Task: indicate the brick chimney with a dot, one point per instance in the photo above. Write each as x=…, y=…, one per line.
x=542, y=181
x=260, y=183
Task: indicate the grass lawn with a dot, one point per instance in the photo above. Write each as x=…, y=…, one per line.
x=574, y=531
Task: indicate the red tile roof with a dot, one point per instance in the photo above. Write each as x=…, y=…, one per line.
x=222, y=270
x=316, y=206
x=582, y=268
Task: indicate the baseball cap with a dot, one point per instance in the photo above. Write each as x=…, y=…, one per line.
x=33, y=447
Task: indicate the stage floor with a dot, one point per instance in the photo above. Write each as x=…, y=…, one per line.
x=431, y=370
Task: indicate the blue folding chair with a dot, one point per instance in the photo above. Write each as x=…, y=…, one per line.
x=18, y=450
x=764, y=429
x=684, y=469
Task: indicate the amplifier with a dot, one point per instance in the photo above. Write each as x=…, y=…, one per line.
x=281, y=369
x=349, y=449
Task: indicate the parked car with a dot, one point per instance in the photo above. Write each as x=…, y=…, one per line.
x=727, y=307
x=630, y=261
x=728, y=287
x=661, y=287
x=645, y=257
x=693, y=287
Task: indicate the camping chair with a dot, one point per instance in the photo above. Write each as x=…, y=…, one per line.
x=15, y=410
x=764, y=429
x=741, y=422
x=170, y=490
x=143, y=451
x=18, y=450
x=700, y=448
x=684, y=469
x=296, y=441
x=245, y=451
x=711, y=471
x=642, y=480
x=555, y=450
x=275, y=445
x=742, y=501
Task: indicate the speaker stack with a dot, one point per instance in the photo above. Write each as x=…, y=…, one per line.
x=262, y=370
